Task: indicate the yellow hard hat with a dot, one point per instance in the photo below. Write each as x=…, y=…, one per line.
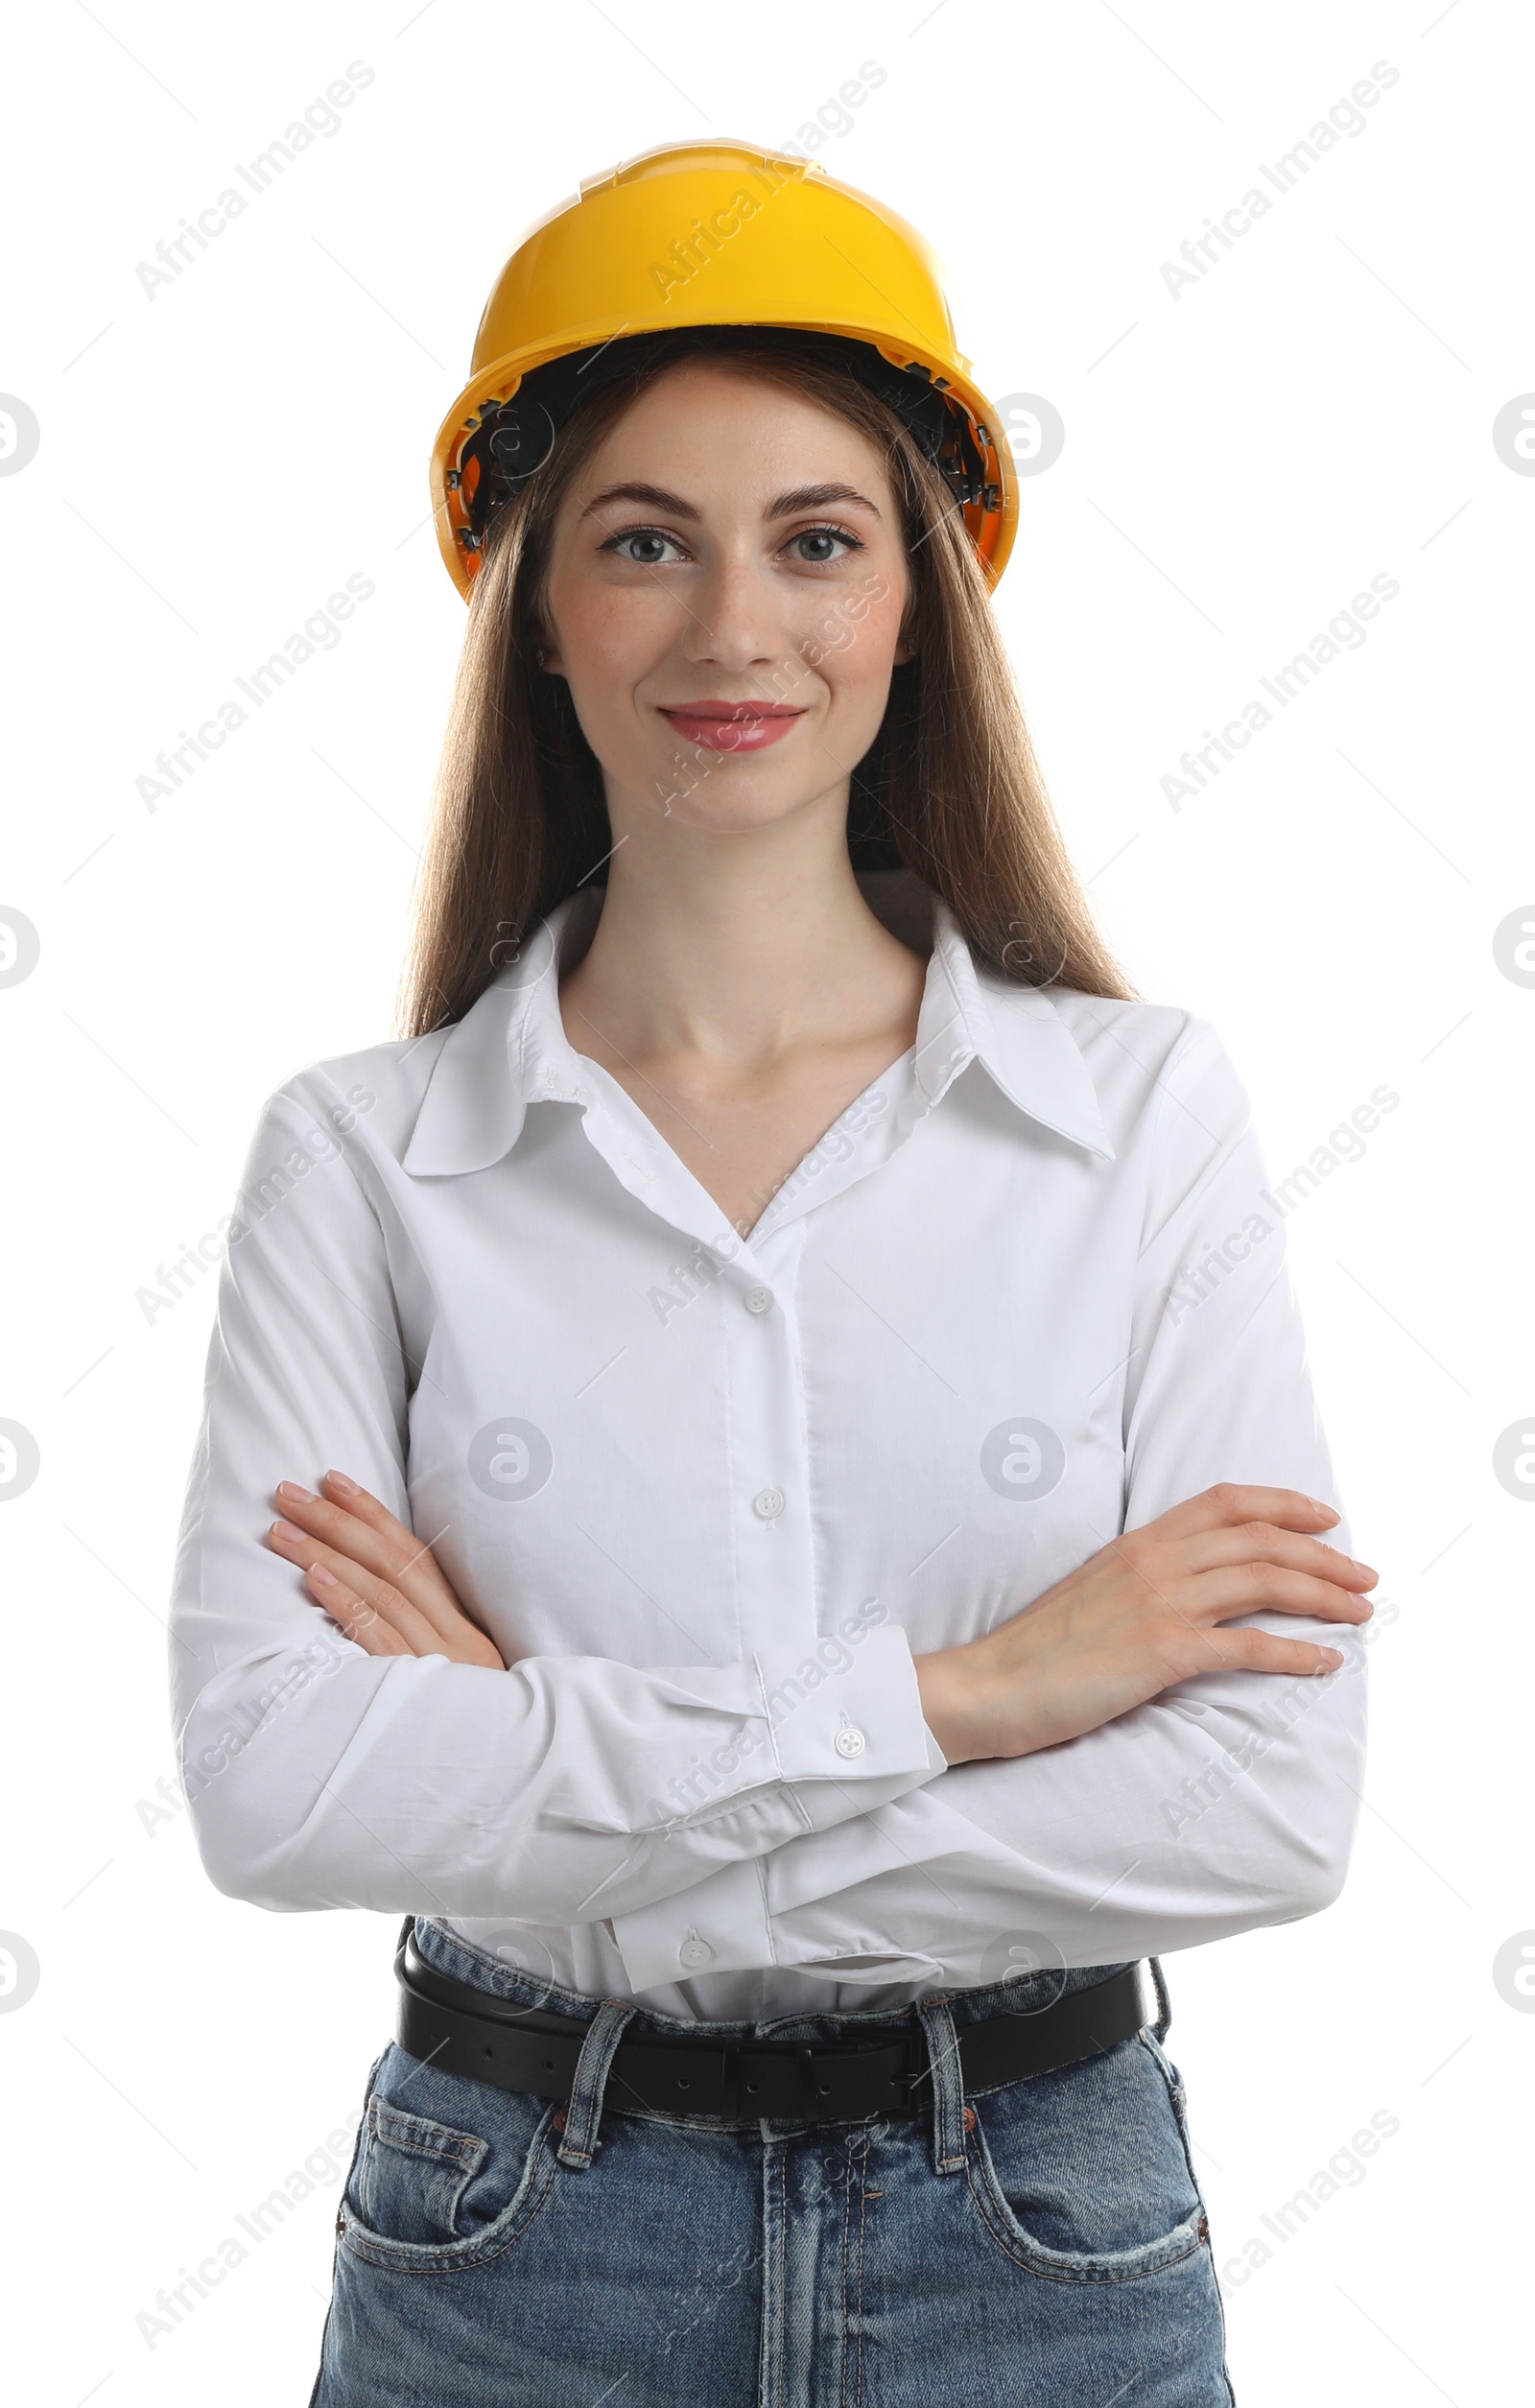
x=712, y=234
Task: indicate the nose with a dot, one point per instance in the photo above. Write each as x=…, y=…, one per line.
x=736, y=624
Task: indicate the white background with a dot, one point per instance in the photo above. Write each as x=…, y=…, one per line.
x=1239, y=460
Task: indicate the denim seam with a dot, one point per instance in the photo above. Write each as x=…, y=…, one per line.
x=1175, y=2088
x=863, y=2232
x=845, y=2336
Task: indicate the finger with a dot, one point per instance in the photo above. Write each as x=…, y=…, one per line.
x=1219, y=1508
x=422, y=1636
x=1269, y=1589
x=1251, y=1542
x=1259, y=1651
x=357, y=1621
x=389, y=1609
x=366, y=1533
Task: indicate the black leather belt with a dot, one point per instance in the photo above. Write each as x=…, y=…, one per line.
x=470, y=2031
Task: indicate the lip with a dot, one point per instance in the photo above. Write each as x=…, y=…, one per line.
x=731, y=726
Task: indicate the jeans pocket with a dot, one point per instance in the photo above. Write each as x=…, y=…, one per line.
x=411, y=2173
x=1083, y=2174
x=447, y=2172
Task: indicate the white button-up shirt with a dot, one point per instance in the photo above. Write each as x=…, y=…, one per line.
x=708, y=1494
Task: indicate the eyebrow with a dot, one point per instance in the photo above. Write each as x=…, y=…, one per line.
x=807, y=497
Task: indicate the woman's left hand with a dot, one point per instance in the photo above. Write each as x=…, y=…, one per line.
x=373, y=1577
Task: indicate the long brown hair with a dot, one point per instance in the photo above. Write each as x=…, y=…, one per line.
x=950, y=788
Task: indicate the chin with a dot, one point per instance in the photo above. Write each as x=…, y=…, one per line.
x=733, y=814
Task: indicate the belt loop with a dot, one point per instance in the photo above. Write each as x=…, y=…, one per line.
x=948, y=2084
x=584, y=2106
x=1161, y=2026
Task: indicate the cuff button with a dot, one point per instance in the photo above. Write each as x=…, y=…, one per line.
x=695, y=1952
x=849, y=1742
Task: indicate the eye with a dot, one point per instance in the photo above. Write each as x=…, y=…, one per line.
x=816, y=546
x=644, y=546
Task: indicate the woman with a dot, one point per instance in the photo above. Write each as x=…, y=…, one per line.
x=827, y=1568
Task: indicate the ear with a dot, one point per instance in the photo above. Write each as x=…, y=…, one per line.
x=904, y=652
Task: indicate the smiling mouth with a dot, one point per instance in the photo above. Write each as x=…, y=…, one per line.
x=731, y=726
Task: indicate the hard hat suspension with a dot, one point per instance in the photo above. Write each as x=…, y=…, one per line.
x=510, y=440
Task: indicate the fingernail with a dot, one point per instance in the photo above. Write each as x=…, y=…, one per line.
x=339, y=1479
x=291, y=1487
x=1368, y=1569
x=1333, y=1655
x=326, y=1579
x=285, y=1530
x=1319, y=1507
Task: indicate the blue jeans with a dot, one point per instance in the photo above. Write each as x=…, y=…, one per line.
x=1042, y=2245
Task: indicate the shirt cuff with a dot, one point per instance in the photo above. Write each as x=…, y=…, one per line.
x=718, y=1926
x=860, y=1723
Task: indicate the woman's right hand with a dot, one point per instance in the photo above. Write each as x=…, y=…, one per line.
x=1150, y=1609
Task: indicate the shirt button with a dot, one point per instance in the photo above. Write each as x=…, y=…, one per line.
x=768, y=1502
x=849, y=1742
x=759, y=1299
x=695, y=1952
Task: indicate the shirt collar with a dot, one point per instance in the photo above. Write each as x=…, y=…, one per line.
x=971, y=1013
x=510, y=1049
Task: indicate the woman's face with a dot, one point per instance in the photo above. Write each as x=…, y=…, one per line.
x=726, y=585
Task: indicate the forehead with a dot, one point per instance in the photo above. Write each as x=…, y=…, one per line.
x=706, y=427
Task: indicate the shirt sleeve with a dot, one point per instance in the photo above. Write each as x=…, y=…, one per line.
x=319, y=1776
x=1226, y=1803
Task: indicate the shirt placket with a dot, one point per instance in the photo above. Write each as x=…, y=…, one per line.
x=769, y=1458
x=764, y=1443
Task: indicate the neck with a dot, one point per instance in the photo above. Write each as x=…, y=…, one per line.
x=738, y=946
